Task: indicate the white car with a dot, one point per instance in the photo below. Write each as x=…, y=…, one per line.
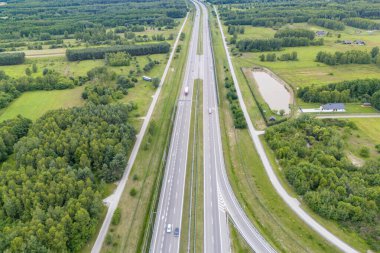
x=209, y=110
x=169, y=228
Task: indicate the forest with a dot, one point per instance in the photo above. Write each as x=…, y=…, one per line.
x=79, y=15
x=276, y=13
x=312, y=155
x=79, y=148
x=362, y=90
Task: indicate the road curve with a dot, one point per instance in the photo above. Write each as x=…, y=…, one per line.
x=293, y=203
x=113, y=200
x=170, y=205
x=219, y=196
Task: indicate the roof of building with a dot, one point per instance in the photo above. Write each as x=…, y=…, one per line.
x=333, y=106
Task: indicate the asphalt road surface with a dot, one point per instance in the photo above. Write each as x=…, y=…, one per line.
x=293, y=203
x=113, y=200
x=216, y=236
x=172, y=192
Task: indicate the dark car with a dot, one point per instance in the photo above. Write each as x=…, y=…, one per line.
x=176, y=232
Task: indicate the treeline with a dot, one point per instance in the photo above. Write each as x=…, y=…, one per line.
x=237, y=113
x=276, y=44
x=327, y=23
x=362, y=23
x=100, y=52
x=11, y=88
x=348, y=57
x=12, y=58
x=313, y=157
x=50, y=200
x=272, y=57
x=297, y=33
x=361, y=90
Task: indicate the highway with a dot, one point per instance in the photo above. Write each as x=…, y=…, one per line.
x=113, y=200
x=219, y=196
x=216, y=235
x=172, y=191
x=293, y=203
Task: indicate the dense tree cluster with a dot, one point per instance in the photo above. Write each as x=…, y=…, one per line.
x=10, y=132
x=328, y=23
x=362, y=23
x=133, y=50
x=96, y=36
x=118, y=59
x=106, y=87
x=12, y=58
x=297, y=33
x=49, y=199
x=150, y=65
x=362, y=90
x=237, y=113
x=271, y=57
x=11, y=88
x=312, y=155
x=348, y=57
x=232, y=29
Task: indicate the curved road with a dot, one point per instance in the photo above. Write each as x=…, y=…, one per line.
x=293, y=203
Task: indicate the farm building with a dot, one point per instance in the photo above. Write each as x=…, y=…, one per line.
x=333, y=107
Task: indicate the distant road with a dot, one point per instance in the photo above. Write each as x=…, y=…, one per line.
x=347, y=116
x=113, y=200
x=293, y=203
x=170, y=206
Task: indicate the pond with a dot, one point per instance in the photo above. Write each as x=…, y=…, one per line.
x=274, y=92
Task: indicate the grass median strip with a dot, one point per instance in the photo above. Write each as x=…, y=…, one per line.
x=137, y=199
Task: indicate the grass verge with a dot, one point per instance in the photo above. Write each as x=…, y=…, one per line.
x=238, y=244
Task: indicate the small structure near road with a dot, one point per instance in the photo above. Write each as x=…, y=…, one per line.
x=333, y=107
x=347, y=42
x=367, y=104
x=321, y=33
x=147, y=78
x=359, y=42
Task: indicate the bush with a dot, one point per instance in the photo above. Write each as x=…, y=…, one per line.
x=364, y=152
x=116, y=217
x=118, y=59
x=133, y=192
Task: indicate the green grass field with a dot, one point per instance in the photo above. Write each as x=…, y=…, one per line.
x=306, y=71
x=367, y=135
x=34, y=104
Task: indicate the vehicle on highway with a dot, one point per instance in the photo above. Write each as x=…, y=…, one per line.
x=176, y=232
x=169, y=228
x=209, y=110
x=186, y=90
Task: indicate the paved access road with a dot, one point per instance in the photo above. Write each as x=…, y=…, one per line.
x=172, y=192
x=348, y=116
x=293, y=203
x=113, y=200
x=219, y=196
